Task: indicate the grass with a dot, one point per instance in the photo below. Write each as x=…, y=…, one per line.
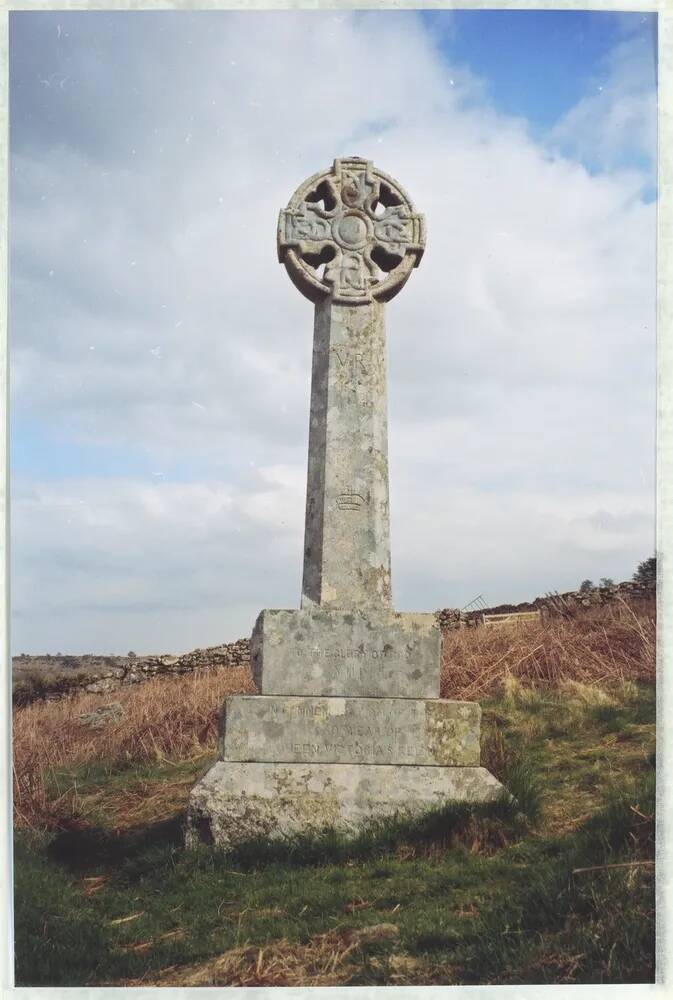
x=172, y=719
x=603, y=646
x=35, y=685
x=512, y=892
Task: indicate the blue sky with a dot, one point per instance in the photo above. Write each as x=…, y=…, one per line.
x=160, y=358
x=538, y=64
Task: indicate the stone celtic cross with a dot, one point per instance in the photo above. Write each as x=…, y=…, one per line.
x=360, y=224
x=349, y=239
x=348, y=724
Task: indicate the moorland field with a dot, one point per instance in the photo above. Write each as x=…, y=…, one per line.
x=555, y=887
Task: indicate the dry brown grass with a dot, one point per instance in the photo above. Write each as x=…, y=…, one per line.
x=175, y=719
x=324, y=960
x=614, y=644
x=165, y=719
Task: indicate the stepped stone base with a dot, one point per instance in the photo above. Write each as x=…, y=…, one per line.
x=237, y=801
x=277, y=728
x=354, y=653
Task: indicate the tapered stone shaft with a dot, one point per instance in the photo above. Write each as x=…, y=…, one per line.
x=347, y=536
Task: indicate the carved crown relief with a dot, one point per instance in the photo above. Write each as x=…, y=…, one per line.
x=351, y=233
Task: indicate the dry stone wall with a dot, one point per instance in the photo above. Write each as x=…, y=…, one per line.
x=561, y=605
x=50, y=677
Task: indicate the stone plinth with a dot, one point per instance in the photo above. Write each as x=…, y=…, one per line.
x=353, y=653
x=350, y=730
x=238, y=801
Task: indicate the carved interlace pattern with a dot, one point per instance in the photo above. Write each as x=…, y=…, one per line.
x=357, y=225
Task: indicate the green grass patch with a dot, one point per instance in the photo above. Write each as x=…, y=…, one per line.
x=488, y=894
x=587, y=912
x=115, y=776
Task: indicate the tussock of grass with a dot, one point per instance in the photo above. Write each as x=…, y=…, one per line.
x=594, y=694
x=319, y=962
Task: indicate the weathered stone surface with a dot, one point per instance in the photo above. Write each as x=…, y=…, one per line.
x=354, y=653
x=347, y=533
x=350, y=730
x=105, y=715
x=237, y=801
x=104, y=684
x=361, y=223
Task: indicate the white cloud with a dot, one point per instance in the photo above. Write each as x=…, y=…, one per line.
x=617, y=122
x=114, y=563
x=521, y=354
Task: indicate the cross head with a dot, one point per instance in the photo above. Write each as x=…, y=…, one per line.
x=350, y=233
